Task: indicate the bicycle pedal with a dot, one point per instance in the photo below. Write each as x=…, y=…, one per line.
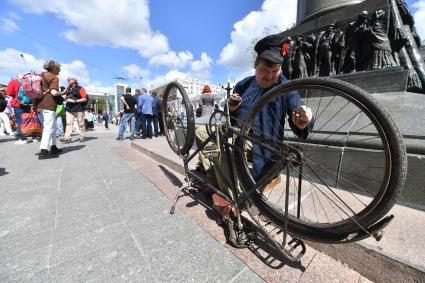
x=293, y=246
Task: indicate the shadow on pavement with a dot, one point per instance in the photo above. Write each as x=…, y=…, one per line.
x=8, y=140
x=3, y=171
x=72, y=148
x=260, y=247
x=77, y=140
x=174, y=180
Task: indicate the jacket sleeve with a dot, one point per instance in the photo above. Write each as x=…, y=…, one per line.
x=12, y=88
x=140, y=103
x=83, y=93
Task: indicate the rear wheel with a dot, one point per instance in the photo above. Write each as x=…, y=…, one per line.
x=179, y=121
x=342, y=177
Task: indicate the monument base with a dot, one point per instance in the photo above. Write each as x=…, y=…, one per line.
x=378, y=81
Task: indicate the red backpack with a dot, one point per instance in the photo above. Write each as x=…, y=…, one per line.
x=31, y=84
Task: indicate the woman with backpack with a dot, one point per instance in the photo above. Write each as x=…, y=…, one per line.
x=47, y=104
x=21, y=103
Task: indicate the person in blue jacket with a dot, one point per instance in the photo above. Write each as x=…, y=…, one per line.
x=268, y=74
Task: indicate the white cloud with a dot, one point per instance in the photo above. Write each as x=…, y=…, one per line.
x=274, y=16
x=77, y=69
x=12, y=62
x=200, y=69
x=172, y=60
x=97, y=87
x=135, y=72
x=170, y=76
x=8, y=26
x=419, y=16
x=104, y=22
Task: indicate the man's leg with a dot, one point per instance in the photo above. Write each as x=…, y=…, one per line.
x=201, y=135
x=132, y=126
x=149, y=119
x=123, y=124
x=161, y=124
x=81, y=126
x=223, y=168
x=143, y=124
x=18, y=116
x=138, y=122
x=155, y=125
x=6, y=122
x=59, y=131
x=69, y=125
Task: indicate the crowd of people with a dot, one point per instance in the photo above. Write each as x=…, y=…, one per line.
x=143, y=113
x=48, y=118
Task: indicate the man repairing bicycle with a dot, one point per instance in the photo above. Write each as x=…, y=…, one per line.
x=246, y=93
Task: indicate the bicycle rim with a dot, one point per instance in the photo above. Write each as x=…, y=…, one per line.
x=179, y=123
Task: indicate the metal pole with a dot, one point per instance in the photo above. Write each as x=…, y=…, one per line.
x=228, y=89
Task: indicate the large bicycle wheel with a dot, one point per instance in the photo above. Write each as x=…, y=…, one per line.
x=179, y=121
x=339, y=178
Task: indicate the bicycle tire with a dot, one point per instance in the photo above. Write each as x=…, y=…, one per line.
x=393, y=177
x=179, y=122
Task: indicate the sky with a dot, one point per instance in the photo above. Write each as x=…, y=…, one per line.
x=147, y=42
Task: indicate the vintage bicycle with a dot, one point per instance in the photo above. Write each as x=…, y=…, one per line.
x=334, y=185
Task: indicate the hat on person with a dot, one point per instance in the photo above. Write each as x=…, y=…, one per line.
x=206, y=89
x=270, y=48
x=71, y=78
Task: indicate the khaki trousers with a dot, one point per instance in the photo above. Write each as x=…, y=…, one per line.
x=70, y=116
x=220, y=163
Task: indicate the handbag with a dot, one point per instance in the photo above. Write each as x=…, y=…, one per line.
x=60, y=110
x=30, y=125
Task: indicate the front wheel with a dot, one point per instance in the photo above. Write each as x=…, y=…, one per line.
x=178, y=118
x=340, y=176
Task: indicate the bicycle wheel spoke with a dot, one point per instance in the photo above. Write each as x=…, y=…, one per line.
x=330, y=119
x=327, y=197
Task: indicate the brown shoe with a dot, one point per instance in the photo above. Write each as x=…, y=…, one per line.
x=274, y=183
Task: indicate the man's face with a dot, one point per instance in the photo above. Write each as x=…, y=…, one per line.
x=267, y=76
x=71, y=82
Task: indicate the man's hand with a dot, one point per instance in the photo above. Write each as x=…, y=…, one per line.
x=234, y=97
x=302, y=116
x=70, y=100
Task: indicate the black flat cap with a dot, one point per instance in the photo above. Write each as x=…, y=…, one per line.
x=270, y=48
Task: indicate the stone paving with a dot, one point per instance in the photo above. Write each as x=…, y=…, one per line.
x=89, y=216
